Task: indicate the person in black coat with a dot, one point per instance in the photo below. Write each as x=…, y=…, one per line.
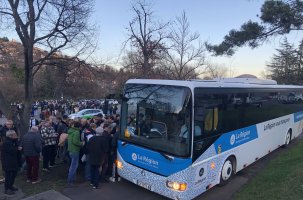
x=62, y=129
x=107, y=138
x=9, y=125
x=32, y=145
x=97, y=150
x=10, y=160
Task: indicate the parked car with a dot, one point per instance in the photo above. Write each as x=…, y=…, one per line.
x=86, y=113
x=110, y=101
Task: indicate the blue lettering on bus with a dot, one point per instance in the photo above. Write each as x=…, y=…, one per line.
x=235, y=138
x=152, y=160
x=298, y=116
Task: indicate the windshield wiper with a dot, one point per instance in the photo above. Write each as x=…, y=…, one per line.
x=170, y=158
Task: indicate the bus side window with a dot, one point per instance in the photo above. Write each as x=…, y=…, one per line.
x=208, y=122
x=211, y=120
x=199, y=122
x=216, y=118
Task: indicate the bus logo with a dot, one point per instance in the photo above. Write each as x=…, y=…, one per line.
x=201, y=172
x=232, y=139
x=134, y=156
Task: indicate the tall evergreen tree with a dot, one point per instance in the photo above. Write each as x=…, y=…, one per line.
x=286, y=64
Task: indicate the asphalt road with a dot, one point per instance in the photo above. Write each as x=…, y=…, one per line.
x=126, y=190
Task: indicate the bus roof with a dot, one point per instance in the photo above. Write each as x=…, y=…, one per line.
x=218, y=83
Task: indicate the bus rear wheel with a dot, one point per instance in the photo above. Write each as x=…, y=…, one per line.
x=226, y=172
x=288, y=138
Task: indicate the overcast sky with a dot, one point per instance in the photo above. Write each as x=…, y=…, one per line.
x=212, y=19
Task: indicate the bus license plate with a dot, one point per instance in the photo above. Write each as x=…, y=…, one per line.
x=144, y=185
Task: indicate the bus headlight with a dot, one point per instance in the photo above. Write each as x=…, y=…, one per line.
x=119, y=164
x=176, y=185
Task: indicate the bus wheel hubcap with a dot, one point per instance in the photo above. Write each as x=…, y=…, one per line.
x=227, y=170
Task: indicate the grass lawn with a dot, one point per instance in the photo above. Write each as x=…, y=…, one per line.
x=55, y=179
x=282, y=179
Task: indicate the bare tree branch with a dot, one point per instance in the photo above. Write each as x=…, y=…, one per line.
x=53, y=24
x=146, y=37
x=184, y=57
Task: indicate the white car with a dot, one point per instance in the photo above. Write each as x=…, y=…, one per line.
x=86, y=113
x=110, y=101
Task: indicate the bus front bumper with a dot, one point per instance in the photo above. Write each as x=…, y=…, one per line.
x=148, y=180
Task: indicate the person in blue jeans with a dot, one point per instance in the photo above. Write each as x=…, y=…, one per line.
x=74, y=146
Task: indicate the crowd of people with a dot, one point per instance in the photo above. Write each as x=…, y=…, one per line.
x=45, y=108
x=70, y=106
x=55, y=139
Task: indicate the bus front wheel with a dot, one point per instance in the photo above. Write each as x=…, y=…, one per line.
x=226, y=172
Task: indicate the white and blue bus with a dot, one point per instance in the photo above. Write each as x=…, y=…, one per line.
x=180, y=138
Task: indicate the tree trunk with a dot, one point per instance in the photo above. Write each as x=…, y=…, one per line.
x=145, y=67
x=28, y=88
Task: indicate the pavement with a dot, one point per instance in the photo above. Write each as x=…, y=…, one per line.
x=18, y=195
x=48, y=195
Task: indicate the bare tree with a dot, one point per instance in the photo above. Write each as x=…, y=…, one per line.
x=132, y=62
x=52, y=24
x=146, y=35
x=214, y=70
x=186, y=53
x=265, y=74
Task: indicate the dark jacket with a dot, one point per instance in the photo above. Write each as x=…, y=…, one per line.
x=9, y=155
x=114, y=146
x=31, y=144
x=114, y=141
x=97, y=147
x=87, y=134
x=4, y=130
x=62, y=128
x=107, y=141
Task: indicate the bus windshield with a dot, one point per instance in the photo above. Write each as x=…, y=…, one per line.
x=157, y=117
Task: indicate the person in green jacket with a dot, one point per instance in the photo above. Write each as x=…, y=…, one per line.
x=74, y=145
